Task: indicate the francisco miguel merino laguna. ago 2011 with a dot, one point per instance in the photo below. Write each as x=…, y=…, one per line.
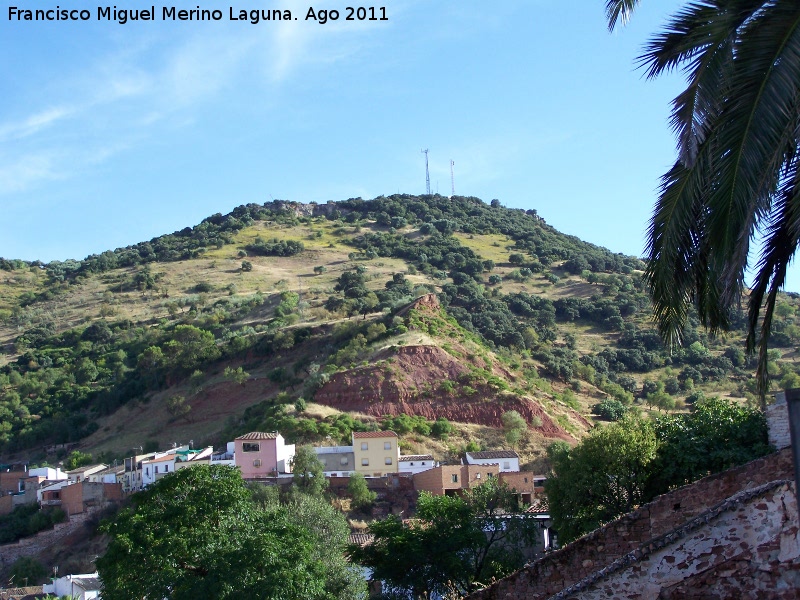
x=172, y=13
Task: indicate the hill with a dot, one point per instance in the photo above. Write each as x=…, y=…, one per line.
x=429, y=315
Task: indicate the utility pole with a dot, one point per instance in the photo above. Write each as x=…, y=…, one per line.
x=452, y=180
x=427, y=173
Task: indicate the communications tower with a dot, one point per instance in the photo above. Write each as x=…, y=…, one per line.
x=427, y=173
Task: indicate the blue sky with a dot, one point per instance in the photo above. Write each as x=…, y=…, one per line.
x=112, y=134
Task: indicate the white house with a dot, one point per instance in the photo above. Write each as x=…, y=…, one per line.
x=225, y=457
x=337, y=461
x=79, y=587
x=156, y=468
x=109, y=475
x=81, y=473
x=415, y=463
x=508, y=460
x=49, y=473
x=188, y=458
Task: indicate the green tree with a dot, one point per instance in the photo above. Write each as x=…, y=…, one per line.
x=27, y=571
x=190, y=346
x=514, y=427
x=237, y=375
x=77, y=459
x=359, y=492
x=320, y=269
x=609, y=409
x=602, y=478
x=178, y=407
x=198, y=534
x=441, y=428
x=247, y=266
x=737, y=171
x=717, y=435
x=452, y=543
x=308, y=472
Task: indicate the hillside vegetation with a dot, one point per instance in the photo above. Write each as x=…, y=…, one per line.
x=431, y=316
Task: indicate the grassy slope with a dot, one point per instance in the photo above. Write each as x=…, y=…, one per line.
x=222, y=400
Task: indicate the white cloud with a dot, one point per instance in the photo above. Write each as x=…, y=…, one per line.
x=34, y=123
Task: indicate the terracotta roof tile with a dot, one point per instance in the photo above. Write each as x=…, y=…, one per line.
x=362, y=539
x=416, y=457
x=538, y=506
x=258, y=435
x=493, y=454
x=161, y=459
x=373, y=434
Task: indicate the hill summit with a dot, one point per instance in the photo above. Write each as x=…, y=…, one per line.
x=436, y=317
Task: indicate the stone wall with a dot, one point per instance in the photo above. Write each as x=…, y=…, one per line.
x=777, y=415
x=596, y=552
x=33, y=545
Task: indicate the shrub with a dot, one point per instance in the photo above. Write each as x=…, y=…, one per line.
x=610, y=409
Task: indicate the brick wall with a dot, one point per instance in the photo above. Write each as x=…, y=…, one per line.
x=440, y=479
x=598, y=550
x=77, y=497
x=9, y=480
x=518, y=481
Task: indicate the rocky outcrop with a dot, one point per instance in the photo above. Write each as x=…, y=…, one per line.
x=427, y=381
x=299, y=209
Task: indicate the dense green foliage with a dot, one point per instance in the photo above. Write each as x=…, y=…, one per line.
x=308, y=472
x=618, y=467
x=361, y=496
x=198, y=533
x=26, y=520
x=26, y=571
x=453, y=543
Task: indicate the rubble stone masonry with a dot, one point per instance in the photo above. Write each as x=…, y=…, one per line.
x=730, y=535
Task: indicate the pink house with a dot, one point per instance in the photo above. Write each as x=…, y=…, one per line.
x=259, y=455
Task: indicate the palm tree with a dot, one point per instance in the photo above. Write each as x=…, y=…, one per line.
x=736, y=179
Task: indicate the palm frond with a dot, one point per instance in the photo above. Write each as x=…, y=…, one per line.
x=619, y=10
x=782, y=239
x=674, y=259
x=753, y=133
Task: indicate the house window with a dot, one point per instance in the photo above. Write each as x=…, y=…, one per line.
x=538, y=482
x=388, y=460
x=506, y=465
x=364, y=462
x=477, y=475
x=526, y=480
x=166, y=468
x=423, y=463
x=248, y=447
x=490, y=475
x=454, y=478
x=147, y=471
x=257, y=462
x=387, y=445
x=364, y=446
x=344, y=460
x=412, y=464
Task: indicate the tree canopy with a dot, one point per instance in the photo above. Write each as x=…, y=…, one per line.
x=630, y=462
x=198, y=534
x=454, y=542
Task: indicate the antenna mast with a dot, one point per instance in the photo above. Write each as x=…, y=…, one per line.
x=452, y=179
x=427, y=173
